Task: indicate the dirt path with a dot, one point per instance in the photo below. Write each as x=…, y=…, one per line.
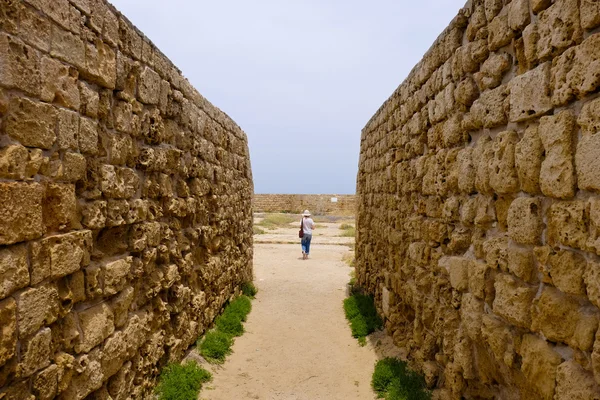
x=297, y=344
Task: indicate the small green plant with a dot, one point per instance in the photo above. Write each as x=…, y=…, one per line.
x=274, y=221
x=346, y=226
x=181, y=382
x=216, y=346
x=240, y=307
x=257, y=231
x=347, y=230
x=393, y=380
x=230, y=323
x=248, y=289
x=361, y=312
x=352, y=278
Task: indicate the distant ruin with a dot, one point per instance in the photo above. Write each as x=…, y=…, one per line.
x=297, y=203
x=478, y=192
x=125, y=205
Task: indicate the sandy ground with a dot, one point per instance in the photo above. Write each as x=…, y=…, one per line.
x=297, y=344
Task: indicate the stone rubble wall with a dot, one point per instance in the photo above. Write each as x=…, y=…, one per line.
x=479, y=204
x=125, y=205
x=297, y=203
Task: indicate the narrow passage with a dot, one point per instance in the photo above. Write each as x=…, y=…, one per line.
x=297, y=344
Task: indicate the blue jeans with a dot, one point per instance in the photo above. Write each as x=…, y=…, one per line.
x=306, y=243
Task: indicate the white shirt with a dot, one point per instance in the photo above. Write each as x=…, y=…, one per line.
x=308, y=225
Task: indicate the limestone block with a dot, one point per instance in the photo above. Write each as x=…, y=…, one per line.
x=591, y=277
x=568, y=224
x=8, y=330
x=539, y=365
x=452, y=132
x=518, y=14
x=100, y=64
x=88, y=136
x=513, y=300
x=559, y=28
x=458, y=269
x=521, y=263
x=586, y=163
x=589, y=118
x=540, y=5
x=94, y=214
x=60, y=255
x=530, y=94
x=117, y=212
x=471, y=311
x=74, y=165
x=35, y=353
x=60, y=207
x=485, y=213
x=575, y=383
x=86, y=377
x=120, y=148
x=130, y=42
x=499, y=32
x=478, y=279
x=115, y=275
x=45, y=383
x=149, y=87
x=67, y=47
x=528, y=160
x=20, y=66
x=14, y=269
x=482, y=158
x=13, y=162
x=530, y=39
x=97, y=323
x=590, y=14
x=489, y=110
x=574, y=73
x=115, y=353
x=471, y=55
x=20, y=212
x=118, y=182
x=500, y=338
x=32, y=123
x=38, y=306
x=502, y=172
x=493, y=70
x=89, y=100
x=567, y=270
x=466, y=171
x=59, y=83
x=560, y=318
x=525, y=223
x=120, y=306
x=557, y=174
x=67, y=129
x=123, y=115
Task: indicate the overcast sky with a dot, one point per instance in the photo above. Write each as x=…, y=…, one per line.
x=301, y=78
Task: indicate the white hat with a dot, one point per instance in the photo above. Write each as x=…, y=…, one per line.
x=306, y=213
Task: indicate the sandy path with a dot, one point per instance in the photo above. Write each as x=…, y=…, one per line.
x=297, y=344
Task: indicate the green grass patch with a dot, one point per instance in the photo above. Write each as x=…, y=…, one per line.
x=274, y=221
x=257, y=231
x=240, y=307
x=181, y=382
x=248, y=289
x=216, y=346
x=346, y=226
x=393, y=380
x=361, y=312
x=348, y=232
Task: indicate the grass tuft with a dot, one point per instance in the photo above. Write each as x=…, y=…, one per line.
x=361, y=312
x=347, y=230
x=240, y=307
x=216, y=346
x=274, y=221
x=257, y=231
x=181, y=382
x=393, y=380
x=248, y=289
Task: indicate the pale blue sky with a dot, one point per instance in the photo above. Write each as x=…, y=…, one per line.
x=301, y=78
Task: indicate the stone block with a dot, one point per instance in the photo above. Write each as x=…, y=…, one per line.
x=14, y=269
x=567, y=270
x=525, y=223
x=100, y=64
x=89, y=100
x=568, y=224
x=74, y=167
x=8, y=330
x=489, y=111
x=471, y=312
x=149, y=87
x=20, y=212
x=97, y=323
x=59, y=83
x=466, y=92
x=530, y=94
x=539, y=365
x=458, y=268
x=521, y=263
x=518, y=15
x=590, y=14
x=120, y=148
x=60, y=207
x=117, y=182
x=559, y=28
x=20, y=66
x=478, y=279
x=94, y=214
x=115, y=275
x=502, y=172
x=38, y=306
x=130, y=42
x=86, y=377
x=67, y=130
x=586, y=163
x=123, y=116
x=120, y=306
x=492, y=71
x=575, y=383
x=589, y=118
x=35, y=353
x=32, y=123
x=513, y=300
x=500, y=338
x=499, y=32
x=34, y=28
x=591, y=277
x=88, y=136
x=557, y=174
x=60, y=255
x=560, y=318
x=13, y=162
x=45, y=383
x=529, y=153
x=67, y=47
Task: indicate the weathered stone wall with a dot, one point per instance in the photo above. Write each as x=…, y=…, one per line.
x=125, y=205
x=479, y=204
x=297, y=203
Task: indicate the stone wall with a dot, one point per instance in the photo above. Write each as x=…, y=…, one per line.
x=297, y=203
x=479, y=204
x=125, y=203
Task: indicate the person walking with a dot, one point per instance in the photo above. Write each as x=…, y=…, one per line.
x=308, y=225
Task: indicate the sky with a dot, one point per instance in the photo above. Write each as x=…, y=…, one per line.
x=301, y=78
